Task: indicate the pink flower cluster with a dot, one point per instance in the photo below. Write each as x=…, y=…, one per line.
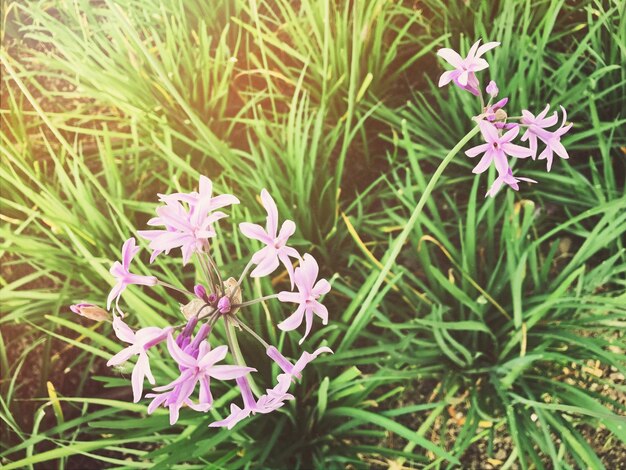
x=189, y=223
x=497, y=128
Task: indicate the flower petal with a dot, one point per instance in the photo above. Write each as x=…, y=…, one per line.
x=280, y=360
x=122, y=330
x=272, y=213
x=510, y=135
x=321, y=287
x=115, y=293
x=516, y=150
x=122, y=356
x=139, y=372
x=447, y=77
x=223, y=200
x=484, y=162
x=293, y=321
x=451, y=56
x=128, y=252
x=267, y=266
x=255, y=232
x=482, y=148
x=489, y=131
x=295, y=297
x=236, y=414
x=309, y=271
x=486, y=47
x=229, y=372
x=205, y=396
x=212, y=356
x=308, y=322
x=463, y=78
x=321, y=311
x=178, y=354
x=308, y=357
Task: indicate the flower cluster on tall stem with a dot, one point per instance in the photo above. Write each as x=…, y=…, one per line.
x=497, y=128
x=189, y=224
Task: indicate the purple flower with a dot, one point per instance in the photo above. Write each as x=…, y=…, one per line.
x=224, y=305
x=91, y=311
x=123, y=276
x=507, y=179
x=184, y=338
x=187, y=230
x=196, y=369
x=275, y=249
x=192, y=347
x=295, y=370
x=309, y=291
x=492, y=89
x=172, y=401
x=140, y=341
x=274, y=399
x=497, y=116
x=205, y=193
x=537, y=126
x=464, y=73
x=200, y=292
x=496, y=149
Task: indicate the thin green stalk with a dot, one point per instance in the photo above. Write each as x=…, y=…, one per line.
x=207, y=273
x=255, y=301
x=243, y=274
x=216, y=271
x=361, y=317
x=170, y=286
x=253, y=333
x=233, y=345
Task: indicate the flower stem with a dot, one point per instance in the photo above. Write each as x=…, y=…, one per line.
x=217, y=273
x=207, y=272
x=200, y=317
x=245, y=271
x=255, y=301
x=170, y=286
x=233, y=346
x=253, y=333
x=397, y=245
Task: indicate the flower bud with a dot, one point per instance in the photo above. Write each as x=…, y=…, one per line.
x=224, y=305
x=93, y=312
x=233, y=291
x=200, y=292
x=492, y=89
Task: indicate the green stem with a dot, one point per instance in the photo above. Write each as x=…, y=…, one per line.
x=245, y=271
x=235, y=350
x=350, y=336
x=253, y=333
x=170, y=286
x=217, y=273
x=207, y=273
x=255, y=301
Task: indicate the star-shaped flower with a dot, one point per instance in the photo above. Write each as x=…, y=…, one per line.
x=123, y=276
x=309, y=290
x=507, y=179
x=275, y=250
x=140, y=341
x=464, y=73
x=497, y=148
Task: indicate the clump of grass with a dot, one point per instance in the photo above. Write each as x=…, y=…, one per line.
x=503, y=302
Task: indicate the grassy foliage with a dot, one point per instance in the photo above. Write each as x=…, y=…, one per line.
x=511, y=309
